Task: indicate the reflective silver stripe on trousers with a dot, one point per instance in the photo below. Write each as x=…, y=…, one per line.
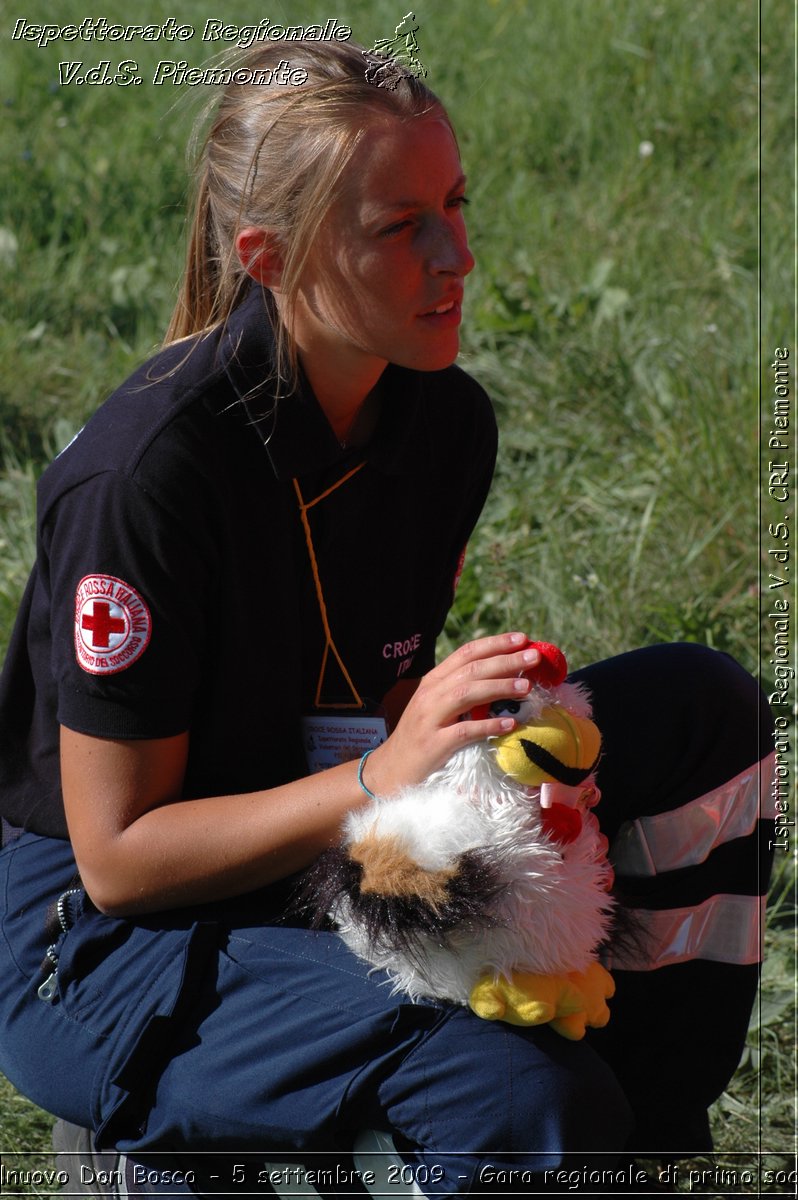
x=724, y=929
x=686, y=836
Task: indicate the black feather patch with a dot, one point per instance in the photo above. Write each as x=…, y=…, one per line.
x=402, y=923
x=627, y=937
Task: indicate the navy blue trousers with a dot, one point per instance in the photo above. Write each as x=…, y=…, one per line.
x=222, y=1029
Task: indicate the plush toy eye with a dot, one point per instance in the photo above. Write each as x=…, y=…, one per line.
x=506, y=706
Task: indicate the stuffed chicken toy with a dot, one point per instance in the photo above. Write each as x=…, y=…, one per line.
x=488, y=884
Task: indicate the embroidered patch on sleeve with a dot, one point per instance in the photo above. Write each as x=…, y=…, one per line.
x=112, y=625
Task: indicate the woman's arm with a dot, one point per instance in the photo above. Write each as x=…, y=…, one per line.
x=140, y=847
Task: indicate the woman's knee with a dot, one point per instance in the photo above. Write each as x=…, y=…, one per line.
x=676, y=677
x=485, y=1086
x=677, y=721
x=575, y=1103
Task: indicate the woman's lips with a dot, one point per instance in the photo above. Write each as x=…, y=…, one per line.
x=448, y=312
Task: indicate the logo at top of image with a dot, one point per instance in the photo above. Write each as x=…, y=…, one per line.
x=398, y=56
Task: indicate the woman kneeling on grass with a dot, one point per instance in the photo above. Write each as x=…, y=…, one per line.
x=260, y=533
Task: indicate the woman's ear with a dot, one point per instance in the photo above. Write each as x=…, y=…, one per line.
x=260, y=256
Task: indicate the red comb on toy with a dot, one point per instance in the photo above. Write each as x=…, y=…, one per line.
x=552, y=668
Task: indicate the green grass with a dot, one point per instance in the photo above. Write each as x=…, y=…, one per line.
x=614, y=315
x=24, y=1138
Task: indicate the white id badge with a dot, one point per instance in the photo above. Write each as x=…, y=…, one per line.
x=330, y=740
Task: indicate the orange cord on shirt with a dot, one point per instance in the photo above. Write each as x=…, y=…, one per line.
x=329, y=644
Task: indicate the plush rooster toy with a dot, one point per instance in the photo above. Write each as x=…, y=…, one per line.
x=488, y=884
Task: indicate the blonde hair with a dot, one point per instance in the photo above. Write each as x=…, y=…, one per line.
x=273, y=158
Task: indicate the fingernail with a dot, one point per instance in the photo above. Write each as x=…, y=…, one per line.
x=532, y=657
x=521, y=684
x=507, y=723
x=518, y=639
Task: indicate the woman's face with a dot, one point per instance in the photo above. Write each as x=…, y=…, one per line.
x=384, y=280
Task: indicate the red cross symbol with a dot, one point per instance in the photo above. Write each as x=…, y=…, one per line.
x=102, y=625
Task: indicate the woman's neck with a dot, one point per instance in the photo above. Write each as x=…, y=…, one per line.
x=349, y=400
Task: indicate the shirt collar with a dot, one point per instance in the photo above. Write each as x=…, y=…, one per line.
x=294, y=431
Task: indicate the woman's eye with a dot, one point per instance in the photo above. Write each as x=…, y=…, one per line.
x=506, y=706
x=391, y=229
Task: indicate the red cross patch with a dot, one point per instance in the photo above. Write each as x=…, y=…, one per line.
x=112, y=624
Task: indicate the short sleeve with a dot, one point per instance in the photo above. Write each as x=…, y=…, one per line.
x=129, y=586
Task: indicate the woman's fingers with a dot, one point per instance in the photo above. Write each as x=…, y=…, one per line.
x=476, y=730
x=508, y=653
x=464, y=697
x=492, y=658
x=450, y=708
x=478, y=673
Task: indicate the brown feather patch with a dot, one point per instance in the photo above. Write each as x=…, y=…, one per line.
x=389, y=870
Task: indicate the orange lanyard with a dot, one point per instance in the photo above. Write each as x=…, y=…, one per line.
x=329, y=643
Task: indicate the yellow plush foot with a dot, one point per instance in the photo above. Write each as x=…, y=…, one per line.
x=570, y=1002
x=503, y=1000
x=572, y=1027
x=597, y=987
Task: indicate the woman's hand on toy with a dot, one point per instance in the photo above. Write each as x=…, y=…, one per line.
x=433, y=724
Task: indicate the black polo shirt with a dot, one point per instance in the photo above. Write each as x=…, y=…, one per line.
x=173, y=589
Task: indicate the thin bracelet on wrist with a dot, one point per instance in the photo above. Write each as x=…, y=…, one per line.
x=362, y=764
